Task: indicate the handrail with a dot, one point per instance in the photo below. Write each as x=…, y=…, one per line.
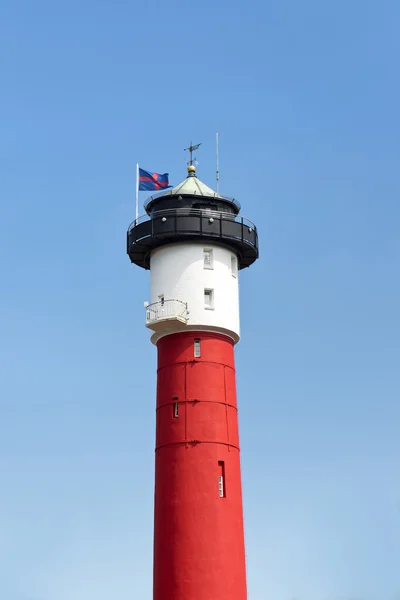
x=166, y=302
x=192, y=212
x=166, y=309
x=170, y=192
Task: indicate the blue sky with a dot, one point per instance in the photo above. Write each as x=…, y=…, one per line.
x=305, y=97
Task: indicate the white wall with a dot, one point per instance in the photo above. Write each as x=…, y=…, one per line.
x=177, y=271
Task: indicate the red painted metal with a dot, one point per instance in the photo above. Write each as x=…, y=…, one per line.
x=198, y=535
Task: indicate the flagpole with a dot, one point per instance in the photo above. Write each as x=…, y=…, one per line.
x=137, y=191
x=217, y=171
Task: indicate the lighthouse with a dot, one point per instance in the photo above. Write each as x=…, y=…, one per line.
x=195, y=243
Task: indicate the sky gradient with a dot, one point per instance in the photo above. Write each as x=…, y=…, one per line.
x=305, y=97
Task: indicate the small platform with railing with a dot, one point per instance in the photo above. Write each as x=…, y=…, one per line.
x=166, y=310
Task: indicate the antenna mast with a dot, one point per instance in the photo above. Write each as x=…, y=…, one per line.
x=217, y=171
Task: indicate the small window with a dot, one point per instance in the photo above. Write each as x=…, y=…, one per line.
x=208, y=258
x=161, y=299
x=176, y=410
x=209, y=299
x=234, y=266
x=221, y=479
x=207, y=207
x=197, y=348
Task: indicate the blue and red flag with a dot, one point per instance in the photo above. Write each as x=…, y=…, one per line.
x=153, y=181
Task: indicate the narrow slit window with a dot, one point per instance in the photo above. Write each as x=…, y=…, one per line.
x=209, y=299
x=208, y=258
x=197, y=348
x=176, y=410
x=161, y=299
x=221, y=479
x=234, y=266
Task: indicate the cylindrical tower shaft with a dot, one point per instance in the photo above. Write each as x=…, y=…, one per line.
x=198, y=536
x=195, y=243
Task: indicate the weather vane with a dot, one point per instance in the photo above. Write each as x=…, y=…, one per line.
x=191, y=149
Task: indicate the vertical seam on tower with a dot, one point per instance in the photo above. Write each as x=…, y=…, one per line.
x=226, y=411
x=186, y=404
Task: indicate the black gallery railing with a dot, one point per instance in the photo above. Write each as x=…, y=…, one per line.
x=186, y=221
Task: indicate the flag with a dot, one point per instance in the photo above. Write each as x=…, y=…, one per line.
x=153, y=181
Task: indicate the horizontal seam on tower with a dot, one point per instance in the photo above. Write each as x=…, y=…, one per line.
x=191, y=362
x=195, y=401
x=194, y=443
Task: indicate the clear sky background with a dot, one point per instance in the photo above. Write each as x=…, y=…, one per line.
x=305, y=97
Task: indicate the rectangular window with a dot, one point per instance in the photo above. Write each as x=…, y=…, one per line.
x=161, y=299
x=208, y=258
x=221, y=479
x=197, y=348
x=209, y=299
x=176, y=410
x=234, y=266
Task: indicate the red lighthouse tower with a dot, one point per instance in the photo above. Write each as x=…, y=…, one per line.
x=195, y=243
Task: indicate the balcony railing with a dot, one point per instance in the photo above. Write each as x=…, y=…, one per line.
x=166, y=310
x=192, y=212
x=185, y=224
x=166, y=193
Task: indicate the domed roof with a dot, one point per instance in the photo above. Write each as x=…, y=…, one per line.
x=191, y=186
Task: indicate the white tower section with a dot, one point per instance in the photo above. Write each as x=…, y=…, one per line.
x=193, y=286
